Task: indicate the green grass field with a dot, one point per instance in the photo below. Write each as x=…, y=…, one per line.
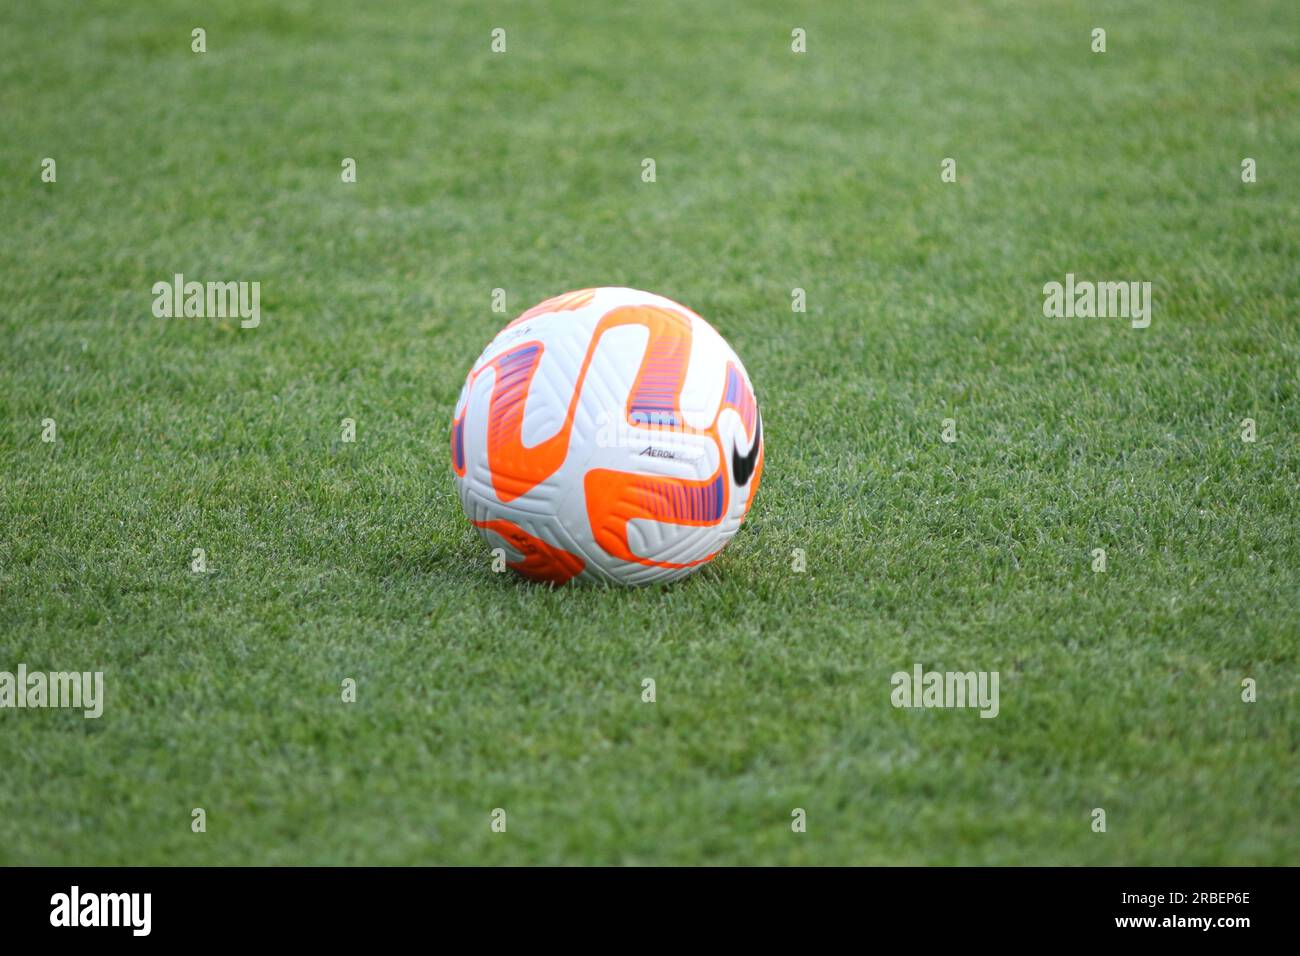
x=329, y=560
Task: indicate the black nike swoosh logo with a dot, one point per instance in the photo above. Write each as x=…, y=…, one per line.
x=742, y=468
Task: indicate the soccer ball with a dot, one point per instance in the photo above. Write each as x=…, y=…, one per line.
x=607, y=435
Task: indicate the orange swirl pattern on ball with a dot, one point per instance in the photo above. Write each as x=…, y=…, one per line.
x=542, y=561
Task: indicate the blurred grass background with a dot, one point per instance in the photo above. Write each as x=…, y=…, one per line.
x=775, y=170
